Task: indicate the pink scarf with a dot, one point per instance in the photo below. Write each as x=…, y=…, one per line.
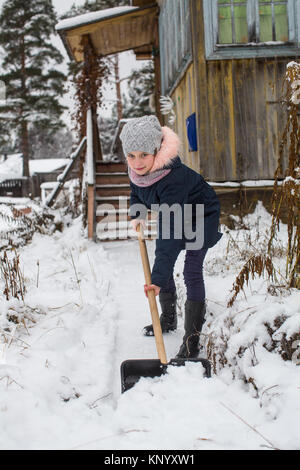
x=149, y=178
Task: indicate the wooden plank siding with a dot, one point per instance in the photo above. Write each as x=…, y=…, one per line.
x=175, y=42
x=184, y=98
x=228, y=120
x=243, y=73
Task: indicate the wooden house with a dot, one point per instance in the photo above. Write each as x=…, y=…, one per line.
x=223, y=63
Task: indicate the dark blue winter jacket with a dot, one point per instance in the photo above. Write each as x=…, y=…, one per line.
x=184, y=186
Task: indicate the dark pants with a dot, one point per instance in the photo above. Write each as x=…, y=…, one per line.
x=193, y=276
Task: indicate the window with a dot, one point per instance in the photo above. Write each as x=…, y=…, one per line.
x=273, y=21
x=232, y=22
x=251, y=28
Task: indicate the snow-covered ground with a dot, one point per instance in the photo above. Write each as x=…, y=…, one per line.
x=83, y=315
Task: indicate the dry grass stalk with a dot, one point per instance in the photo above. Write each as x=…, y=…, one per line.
x=289, y=193
x=251, y=427
x=77, y=278
x=256, y=265
x=38, y=273
x=13, y=278
x=6, y=334
x=87, y=79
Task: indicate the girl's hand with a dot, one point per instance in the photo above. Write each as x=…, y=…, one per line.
x=136, y=222
x=151, y=287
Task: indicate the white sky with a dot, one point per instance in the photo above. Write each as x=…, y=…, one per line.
x=127, y=61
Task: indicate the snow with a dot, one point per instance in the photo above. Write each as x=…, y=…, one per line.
x=246, y=183
x=14, y=200
x=13, y=166
x=53, y=184
x=83, y=314
x=47, y=165
x=92, y=17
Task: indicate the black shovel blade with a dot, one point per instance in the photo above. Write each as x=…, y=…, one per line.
x=133, y=369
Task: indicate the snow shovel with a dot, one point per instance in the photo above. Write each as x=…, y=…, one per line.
x=133, y=369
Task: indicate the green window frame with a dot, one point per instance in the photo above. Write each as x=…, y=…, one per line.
x=251, y=28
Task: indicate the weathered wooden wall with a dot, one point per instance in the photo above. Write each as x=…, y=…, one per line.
x=175, y=42
x=184, y=98
x=245, y=119
x=239, y=117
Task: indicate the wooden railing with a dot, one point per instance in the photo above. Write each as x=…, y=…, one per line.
x=62, y=178
x=14, y=187
x=90, y=172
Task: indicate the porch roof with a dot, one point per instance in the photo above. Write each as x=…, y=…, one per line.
x=112, y=30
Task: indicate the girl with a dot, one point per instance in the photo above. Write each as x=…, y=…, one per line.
x=157, y=176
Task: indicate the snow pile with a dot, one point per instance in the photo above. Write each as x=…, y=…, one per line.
x=246, y=183
x=47, y=165
x=256, y=340
x=20, y=219
x=56, y=365
x=245, y=339
x=83, y=314
x=12, y=167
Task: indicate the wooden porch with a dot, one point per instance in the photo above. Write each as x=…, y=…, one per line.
x=104, y=33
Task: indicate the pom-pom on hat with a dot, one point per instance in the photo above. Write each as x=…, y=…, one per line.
x=142, y=134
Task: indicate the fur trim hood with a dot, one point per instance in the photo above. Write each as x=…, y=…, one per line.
x=169, y=149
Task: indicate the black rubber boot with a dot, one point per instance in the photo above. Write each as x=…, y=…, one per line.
x=168, y=317
x=193, y=321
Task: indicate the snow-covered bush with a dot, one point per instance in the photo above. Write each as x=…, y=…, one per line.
x=263, y=323
x=19, y=222
x=290, y=193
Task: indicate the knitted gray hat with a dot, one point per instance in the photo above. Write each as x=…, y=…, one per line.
x=142, y=134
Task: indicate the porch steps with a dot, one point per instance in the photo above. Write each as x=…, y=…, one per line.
x=112, y=193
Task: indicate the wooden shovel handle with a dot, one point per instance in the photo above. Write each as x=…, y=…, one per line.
x=151, y=298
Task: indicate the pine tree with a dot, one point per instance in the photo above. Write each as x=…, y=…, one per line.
x=94, y=5
x=111, y=64
x=112, y=61
x=5, y=144
x=108, y=126
x=46, y=145
x=140, y=89
x=29, y=68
